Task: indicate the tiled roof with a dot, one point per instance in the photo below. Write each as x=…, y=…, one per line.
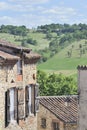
x=65, y=111
x=10, y=45
x=6, y=56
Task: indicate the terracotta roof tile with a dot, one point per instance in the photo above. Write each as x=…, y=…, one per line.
x=65, y=111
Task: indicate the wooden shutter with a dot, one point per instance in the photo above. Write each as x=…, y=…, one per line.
x=20, y=104
x=27, y=101
x=36, y=98
x=15, y=104
x=7, y=108
x=33, y=99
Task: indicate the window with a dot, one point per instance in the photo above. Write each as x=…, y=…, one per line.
x=43, y=123
x=11, y=105
x=14, y=105
x=19, y=67
x=55, y=126
x=31, y=100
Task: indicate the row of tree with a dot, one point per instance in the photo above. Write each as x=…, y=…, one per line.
x=56, y=84
x=62, y=28
x=15, y=30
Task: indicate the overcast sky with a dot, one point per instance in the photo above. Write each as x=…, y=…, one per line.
x=32, y=13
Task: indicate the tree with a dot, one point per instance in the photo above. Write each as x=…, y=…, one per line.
x=56, y=84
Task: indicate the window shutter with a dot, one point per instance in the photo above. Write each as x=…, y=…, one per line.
x=19, y=66
x=33, y=99
x=27, y=101
x=7, y=108
x=15, y=104
x=20, y=104
x=36, y=99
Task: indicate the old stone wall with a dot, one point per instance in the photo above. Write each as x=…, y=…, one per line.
x=45, y=113
x=50, y=117
x=29, y=73
x=70, y=127
x=29, y=123
x=8, y=79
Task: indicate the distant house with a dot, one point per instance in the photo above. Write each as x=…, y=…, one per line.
x=58, y=113
x=18, y=87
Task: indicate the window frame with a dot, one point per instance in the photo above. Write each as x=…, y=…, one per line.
x=19, y=67
x=9, y=105
x=30, y=100
x=12, y=106
x=43, y=123
x=55, y=125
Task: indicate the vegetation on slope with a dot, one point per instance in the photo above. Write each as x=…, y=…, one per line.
x=62, y=47
x=54, y=84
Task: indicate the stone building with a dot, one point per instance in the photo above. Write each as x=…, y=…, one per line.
x=18, y=87
x=57, y=113
x=82, y=93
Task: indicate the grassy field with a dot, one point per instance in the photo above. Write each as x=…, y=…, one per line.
x=39, y=37
x=60, y=63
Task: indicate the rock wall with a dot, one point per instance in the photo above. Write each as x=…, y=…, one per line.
x=8, y=79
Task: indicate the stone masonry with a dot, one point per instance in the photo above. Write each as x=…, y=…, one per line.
x=50, y=117
x=9, y=79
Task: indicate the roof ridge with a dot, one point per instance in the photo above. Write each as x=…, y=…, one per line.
x=60, y=96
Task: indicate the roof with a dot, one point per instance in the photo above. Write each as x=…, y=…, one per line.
x=32, y=55
x=29, y=55
x=6, y=59
x=13, y=46
x=68, y=113
x=6, y=56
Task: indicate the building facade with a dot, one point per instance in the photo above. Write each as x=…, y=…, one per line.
x=82, y=93
x=57, y=113
x=18, y=87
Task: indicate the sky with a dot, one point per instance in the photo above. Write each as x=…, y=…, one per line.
x=33, y=13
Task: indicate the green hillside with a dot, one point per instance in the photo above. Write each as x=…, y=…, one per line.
x=62, y=47
x=39, y=37
x=61, y=63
